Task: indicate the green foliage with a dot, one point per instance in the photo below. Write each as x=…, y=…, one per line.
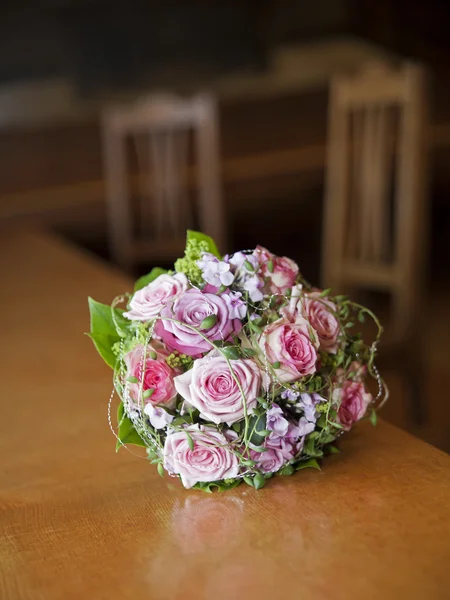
x=208, y=322
x=216, y=486
x=107, y=327
x=127, y=434
x=259, y=481
x=287, y=470
x=308, y=464
x=257, y=425
x=231, y=352
x=146, y=279
x=199, y=237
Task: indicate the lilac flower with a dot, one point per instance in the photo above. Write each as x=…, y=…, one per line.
x=288, y=394
x=236, y=307
x=245, y=270
x=308, y=404
x=238, y=260
x=252, y=285
x=159, y=418
x=276, y=422
x=214, y=271
x=305, y=426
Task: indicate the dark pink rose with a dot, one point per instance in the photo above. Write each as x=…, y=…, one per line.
x=352, y=401
x=320, y=313
x=282, y=274
x=190, y=310
x=156, y=373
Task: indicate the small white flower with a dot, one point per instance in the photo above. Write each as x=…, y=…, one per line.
x=159, y=418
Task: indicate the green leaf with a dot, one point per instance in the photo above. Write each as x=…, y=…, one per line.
x=146, y=279
x=248, y=481
x=270, y=266
x=248, y=352
x=248, y=265
x=101, y=319
x=218, y=486
x=208, y=322
x=160, y=470
x=373, y=418
x=132, y=379
x=231, y=352
x=332, y=449
x=147, y=393
x=310, y=448
x=247, y=462
x=107, y=326
x=127, y=434
x=201, y=237
x=255, y=327
x=276, y=365
x=287, y=470
x=257, y=424
x=361, y=316
x=325, y=293
x=259, y=449
x=107, y=320
x=190, y=441
x=308, y=464
x=103, y=344
x=259, y=481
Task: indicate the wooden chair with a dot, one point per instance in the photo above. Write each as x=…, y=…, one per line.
x=375, y=218
x=160, y=129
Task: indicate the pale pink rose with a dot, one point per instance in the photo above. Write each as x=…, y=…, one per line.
x=284, y=272
x=270, y=461
x=293, y=345
x=352, y=400
x=146, y=303
x=189, y=311
x=293, y=308
x=319, y=312
x=211, y=388
x=210, y=460
x=157, y=375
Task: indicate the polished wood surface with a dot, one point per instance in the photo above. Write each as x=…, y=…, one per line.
x=78, y=520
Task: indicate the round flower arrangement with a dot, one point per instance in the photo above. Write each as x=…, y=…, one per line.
x=234, y=369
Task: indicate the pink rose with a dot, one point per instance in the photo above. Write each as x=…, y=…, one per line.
x=190, y=310
x=293, y=345
x=353, y=400
x=283, y=274
x=319, y=312
x=157, y=375
x=210, y=460
x=146, y=303
x=211, y=388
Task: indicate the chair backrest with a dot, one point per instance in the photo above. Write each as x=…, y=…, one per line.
x=161, y=128
x=374, y=218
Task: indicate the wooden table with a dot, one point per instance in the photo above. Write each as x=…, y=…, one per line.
x=79, y=521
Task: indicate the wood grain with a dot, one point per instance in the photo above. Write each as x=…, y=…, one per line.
x=78, y=520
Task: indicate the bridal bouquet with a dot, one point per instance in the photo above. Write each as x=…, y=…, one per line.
x=234, y=369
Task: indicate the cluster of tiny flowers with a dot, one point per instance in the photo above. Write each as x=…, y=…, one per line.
x=234, y=369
